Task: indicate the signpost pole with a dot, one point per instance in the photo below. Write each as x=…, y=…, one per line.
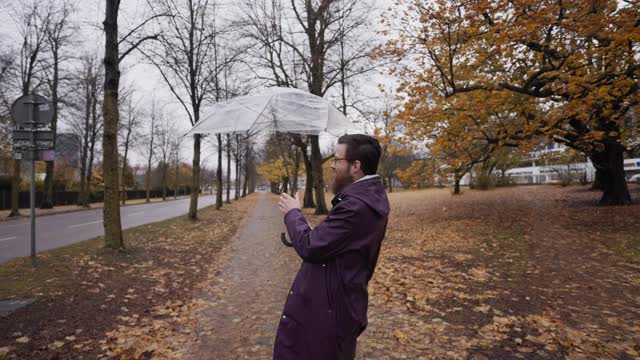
x=33, y=114
x=32, y=190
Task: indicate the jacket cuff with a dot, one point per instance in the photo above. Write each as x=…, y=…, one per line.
x=289, y=213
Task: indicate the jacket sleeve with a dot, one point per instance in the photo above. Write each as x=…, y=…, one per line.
x=329, y=238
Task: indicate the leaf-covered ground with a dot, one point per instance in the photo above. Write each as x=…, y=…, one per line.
x=524, y=272
x=85, y=293
x=529, y=272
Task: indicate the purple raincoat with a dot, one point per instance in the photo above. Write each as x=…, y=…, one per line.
x=326, y=308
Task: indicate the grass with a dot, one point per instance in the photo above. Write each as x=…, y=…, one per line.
x=623, y=244
x=21, y=279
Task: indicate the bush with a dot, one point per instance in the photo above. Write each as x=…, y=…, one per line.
x=483, y=182
x=25, y=185
x=506, y=180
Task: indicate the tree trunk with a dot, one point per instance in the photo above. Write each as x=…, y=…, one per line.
x=614, y=184
x=85, y=150
x=456, y=186
x=228, y=168
x=390, y=181
x=176, y=184
x=47, y=201
x=121, y=176
x=195, y=178
x=219, y=174
x=597, y=182
x=246, y=171
x=147, y=184
x=238, y=168
x=165, y=167
x=308, y=188
x=87, y=187
x=318, y=181
x=112, y=227
x=296, y=170
x=15, y=189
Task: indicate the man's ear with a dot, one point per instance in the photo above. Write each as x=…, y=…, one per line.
x=357, y=165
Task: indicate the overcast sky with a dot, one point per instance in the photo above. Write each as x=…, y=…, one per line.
x=144, y=78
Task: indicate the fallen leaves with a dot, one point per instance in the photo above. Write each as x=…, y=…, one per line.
x=6, y=350
x=493, y=277
x=23, y=340
x=91, y=292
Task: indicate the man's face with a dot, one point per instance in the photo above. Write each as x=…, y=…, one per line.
x=342, y=169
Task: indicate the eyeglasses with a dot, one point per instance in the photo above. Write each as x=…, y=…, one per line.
x=336, y=159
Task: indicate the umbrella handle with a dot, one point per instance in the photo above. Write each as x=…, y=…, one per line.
x=286, y=242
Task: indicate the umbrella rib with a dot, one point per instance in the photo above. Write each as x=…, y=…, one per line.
x=260, y=114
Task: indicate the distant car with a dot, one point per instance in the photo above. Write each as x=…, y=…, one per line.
x=635, y=178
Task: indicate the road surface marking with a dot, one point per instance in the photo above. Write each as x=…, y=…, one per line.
x=89, y=223
x=138, y=213
x=9, y=238
x=20, y=224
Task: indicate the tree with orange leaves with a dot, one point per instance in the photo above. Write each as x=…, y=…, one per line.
x=566, y=70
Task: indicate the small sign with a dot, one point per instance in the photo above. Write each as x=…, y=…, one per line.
x=43, y=139
x=37, y=155
x=32, y=111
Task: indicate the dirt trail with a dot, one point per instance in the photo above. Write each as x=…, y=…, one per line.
x=248, y=290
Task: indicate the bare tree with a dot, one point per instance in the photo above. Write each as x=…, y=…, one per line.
x=150, y=146
x=59, y=32
x=313, y=50
x=189, y=57
x=175, y=155
x=30, y=65
x=166, y=141
x=7, y=62
x=228, y=152
x=90, y=125
x=219, y=174
x=112, y=58
x=129, y=132
x=94, y=135
x=237, y=159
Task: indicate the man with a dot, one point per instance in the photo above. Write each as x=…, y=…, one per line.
x=326, y=309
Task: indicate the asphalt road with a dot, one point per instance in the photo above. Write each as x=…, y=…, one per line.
x=63, y=229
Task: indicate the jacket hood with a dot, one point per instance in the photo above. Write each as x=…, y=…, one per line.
x=370, y=191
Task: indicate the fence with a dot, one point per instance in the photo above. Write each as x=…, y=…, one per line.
x=71, y=197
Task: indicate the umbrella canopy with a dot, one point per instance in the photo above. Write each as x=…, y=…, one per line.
x=275, y=109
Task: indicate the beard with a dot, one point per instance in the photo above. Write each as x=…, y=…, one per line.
x=340, y=181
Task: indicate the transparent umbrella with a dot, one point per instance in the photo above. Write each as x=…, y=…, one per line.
x=274, y=110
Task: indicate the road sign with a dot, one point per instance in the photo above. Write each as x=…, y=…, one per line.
x=32, y=111
x=37, y=155
x=43, y=139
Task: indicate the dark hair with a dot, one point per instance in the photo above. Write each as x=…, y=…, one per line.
x=364, y=148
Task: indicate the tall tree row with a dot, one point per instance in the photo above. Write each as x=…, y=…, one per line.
x=59, y=34
x=314, y=50
x=191, y=55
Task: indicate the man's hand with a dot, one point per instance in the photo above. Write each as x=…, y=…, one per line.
x=288, y=203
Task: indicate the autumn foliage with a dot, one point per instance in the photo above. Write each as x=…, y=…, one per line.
x=478, y=75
